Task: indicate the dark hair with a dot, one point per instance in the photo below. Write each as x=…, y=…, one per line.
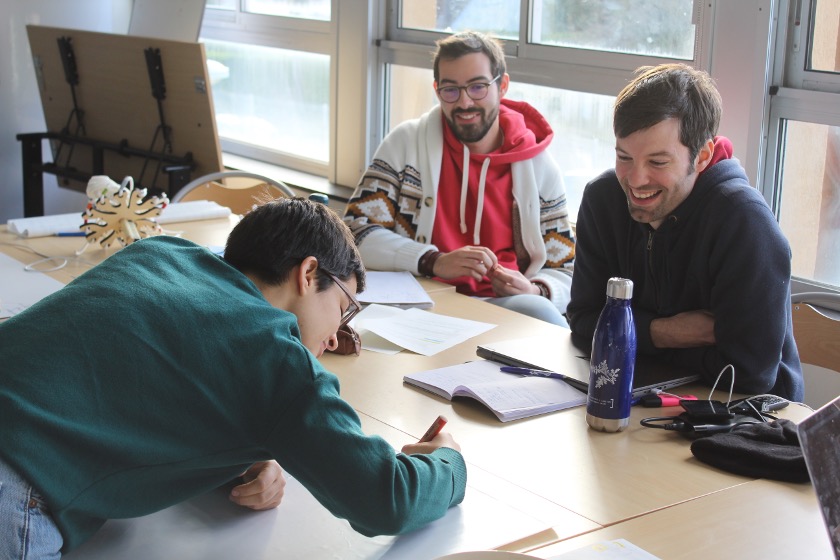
x=468, y=42
x=275, y=237
x=670, y=91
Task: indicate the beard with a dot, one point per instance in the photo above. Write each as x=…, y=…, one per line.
x=472, y=132
x=668, y=200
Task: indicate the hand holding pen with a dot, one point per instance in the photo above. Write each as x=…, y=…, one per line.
x=432, y=439
x=434, y=429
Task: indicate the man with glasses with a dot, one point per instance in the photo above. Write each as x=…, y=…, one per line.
x=468, y=193
x=166, y=372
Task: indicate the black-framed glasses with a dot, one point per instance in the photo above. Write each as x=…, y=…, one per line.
x=353, y=307
x=476, y=91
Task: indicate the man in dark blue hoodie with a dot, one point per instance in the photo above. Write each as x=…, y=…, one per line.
x=677, y=215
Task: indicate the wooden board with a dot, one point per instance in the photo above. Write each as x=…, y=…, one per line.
x=115, y=94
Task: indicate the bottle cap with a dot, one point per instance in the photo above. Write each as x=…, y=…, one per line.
x=620, y=288
x=319, y=197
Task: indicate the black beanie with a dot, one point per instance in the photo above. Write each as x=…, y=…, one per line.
x=763, y=450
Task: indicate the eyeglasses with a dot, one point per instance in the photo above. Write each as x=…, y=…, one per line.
x=476, y=91
x=353, y=308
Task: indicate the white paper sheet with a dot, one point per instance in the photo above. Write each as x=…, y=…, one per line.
x=371, y=340
x=607, y=550
x=42, y=226
x=20, y=288
x=424, y=332
x=394, y=288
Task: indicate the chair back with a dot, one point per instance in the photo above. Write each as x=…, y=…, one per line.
x=238, y=190
x=817, y=337
x=816, y=330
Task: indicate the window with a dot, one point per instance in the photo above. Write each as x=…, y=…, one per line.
x=802, y=181
x=567, y=58
x=270, y=67
x=655, y=28
x=810, y=199
x=822, y=39
x=276, y=68
x=221, y=4
x=261, y=94
x=661, y=28
x=307, y=9
x=446, y=16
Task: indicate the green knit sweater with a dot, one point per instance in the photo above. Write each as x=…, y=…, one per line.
x=162, y=374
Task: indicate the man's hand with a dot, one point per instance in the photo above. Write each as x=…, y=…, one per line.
x=443, y=439
x=263, y=487
x=689, y=329
x=466, y=261
x=507, y=282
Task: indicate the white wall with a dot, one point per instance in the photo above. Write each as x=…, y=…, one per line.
x=20, y=104
x=740, y=68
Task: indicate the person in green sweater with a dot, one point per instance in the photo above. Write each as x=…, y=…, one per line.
x=166, y=372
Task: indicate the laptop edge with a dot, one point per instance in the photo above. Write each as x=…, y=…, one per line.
x=560, y=355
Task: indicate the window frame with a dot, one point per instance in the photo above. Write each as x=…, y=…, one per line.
x=793, y=49
x=797, y=94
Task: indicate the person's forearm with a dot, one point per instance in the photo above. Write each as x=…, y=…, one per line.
x=383, y=249
x=684, y=330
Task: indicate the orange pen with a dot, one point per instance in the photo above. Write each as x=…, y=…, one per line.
x=434, y=429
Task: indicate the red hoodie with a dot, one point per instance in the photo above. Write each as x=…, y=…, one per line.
x=480, y=212
x=722, y=150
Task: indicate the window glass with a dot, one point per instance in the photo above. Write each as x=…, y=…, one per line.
x=305, y=9
x=583, y=145
x=654, y=28
x=810, y=199
x=221, y=4
x=824, y=54
x=498, y=17
x=411, y=93
x=273, y=98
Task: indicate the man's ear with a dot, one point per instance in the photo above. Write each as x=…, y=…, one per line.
x=504, y=84
x=306, y=276
x=704, y=156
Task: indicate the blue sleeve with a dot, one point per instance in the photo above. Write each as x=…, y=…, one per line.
x=750, y=261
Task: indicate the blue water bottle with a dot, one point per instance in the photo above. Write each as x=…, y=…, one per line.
x=612, y=362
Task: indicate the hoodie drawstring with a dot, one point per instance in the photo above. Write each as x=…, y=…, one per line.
x=465, y=176
x=479, y=209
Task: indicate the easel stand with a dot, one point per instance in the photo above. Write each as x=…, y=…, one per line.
x=177, y=168
x=95, y=91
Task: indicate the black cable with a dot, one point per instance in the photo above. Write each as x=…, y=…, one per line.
x=674, y=423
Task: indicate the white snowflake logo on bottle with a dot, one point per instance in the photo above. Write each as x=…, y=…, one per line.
x=605, y=375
